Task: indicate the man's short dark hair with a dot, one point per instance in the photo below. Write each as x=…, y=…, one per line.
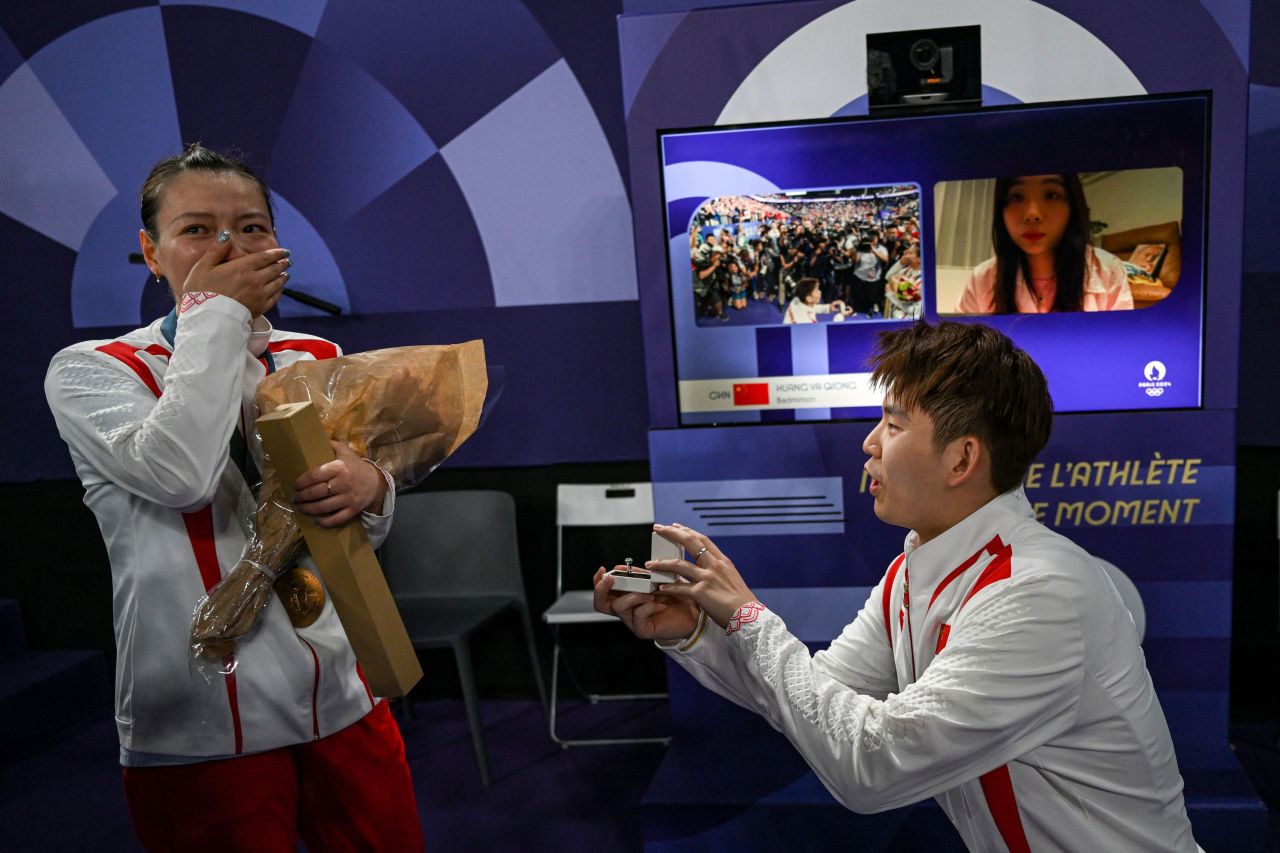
x=971, y=380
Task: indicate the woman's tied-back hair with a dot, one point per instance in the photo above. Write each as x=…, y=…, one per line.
x=971, y=380
x=196, y=158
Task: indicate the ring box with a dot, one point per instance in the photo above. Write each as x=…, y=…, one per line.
x=644, y=580
x=639, y=580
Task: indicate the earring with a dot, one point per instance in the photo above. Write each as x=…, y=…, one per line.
x=156, y=273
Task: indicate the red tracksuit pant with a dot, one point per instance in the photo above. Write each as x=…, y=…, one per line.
x=348, y=791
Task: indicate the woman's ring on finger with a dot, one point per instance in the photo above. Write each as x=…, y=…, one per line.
x=698, y=556
x=328, y=484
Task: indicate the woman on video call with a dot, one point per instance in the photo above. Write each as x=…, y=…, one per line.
x=1043, y=261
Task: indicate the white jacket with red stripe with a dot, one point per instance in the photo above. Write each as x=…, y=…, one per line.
x=148, y=424
x=994, y=668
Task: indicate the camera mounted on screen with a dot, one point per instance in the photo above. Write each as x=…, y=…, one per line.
x=934, y=70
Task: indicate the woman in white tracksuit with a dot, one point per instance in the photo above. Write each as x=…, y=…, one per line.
x=292, y=742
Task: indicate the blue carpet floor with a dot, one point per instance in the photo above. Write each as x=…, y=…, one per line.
x=543, y=797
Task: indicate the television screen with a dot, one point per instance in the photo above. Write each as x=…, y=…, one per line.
x=1076, y=228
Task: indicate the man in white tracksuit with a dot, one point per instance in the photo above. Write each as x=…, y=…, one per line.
x=994, y=667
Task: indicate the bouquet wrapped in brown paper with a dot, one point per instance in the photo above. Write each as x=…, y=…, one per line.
x=406, y=409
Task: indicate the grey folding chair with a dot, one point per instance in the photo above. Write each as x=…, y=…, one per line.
x=602, y=505
x=452, y=564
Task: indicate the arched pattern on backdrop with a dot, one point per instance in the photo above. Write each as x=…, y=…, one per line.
x=821, y=69
x=422, y=158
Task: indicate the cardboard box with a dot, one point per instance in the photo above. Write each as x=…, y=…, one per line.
x=295, y=442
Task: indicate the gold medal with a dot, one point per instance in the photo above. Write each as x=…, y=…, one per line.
x=302, y=595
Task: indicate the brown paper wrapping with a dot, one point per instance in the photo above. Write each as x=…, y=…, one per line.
x=406, y=408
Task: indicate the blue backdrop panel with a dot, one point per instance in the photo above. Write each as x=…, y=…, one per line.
x=105, y=287
x=301, y=15
x=344, y=140
x=10, y=58
x=430, y=260
x=1157, y=503
x=321, y=276
x=62, y=205
x=538, y=169
x=31, y=255
x=33, y=25
x=253, y=82
x=1144, y=491
x=589, y=44
x=450, y=62
x=111, y=80
x=1260, y=387
x=568, y=369
x=344, y=108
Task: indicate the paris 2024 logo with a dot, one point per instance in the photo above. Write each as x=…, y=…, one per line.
x=1154, y=379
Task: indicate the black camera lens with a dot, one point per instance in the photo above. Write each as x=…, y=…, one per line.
x=924, y=54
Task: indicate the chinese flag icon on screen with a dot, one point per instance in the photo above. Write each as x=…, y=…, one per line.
x=751, y=394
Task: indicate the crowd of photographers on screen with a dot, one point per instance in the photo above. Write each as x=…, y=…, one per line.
x=863, y=253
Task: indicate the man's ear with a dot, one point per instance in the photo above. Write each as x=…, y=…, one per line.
x=966, y=458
